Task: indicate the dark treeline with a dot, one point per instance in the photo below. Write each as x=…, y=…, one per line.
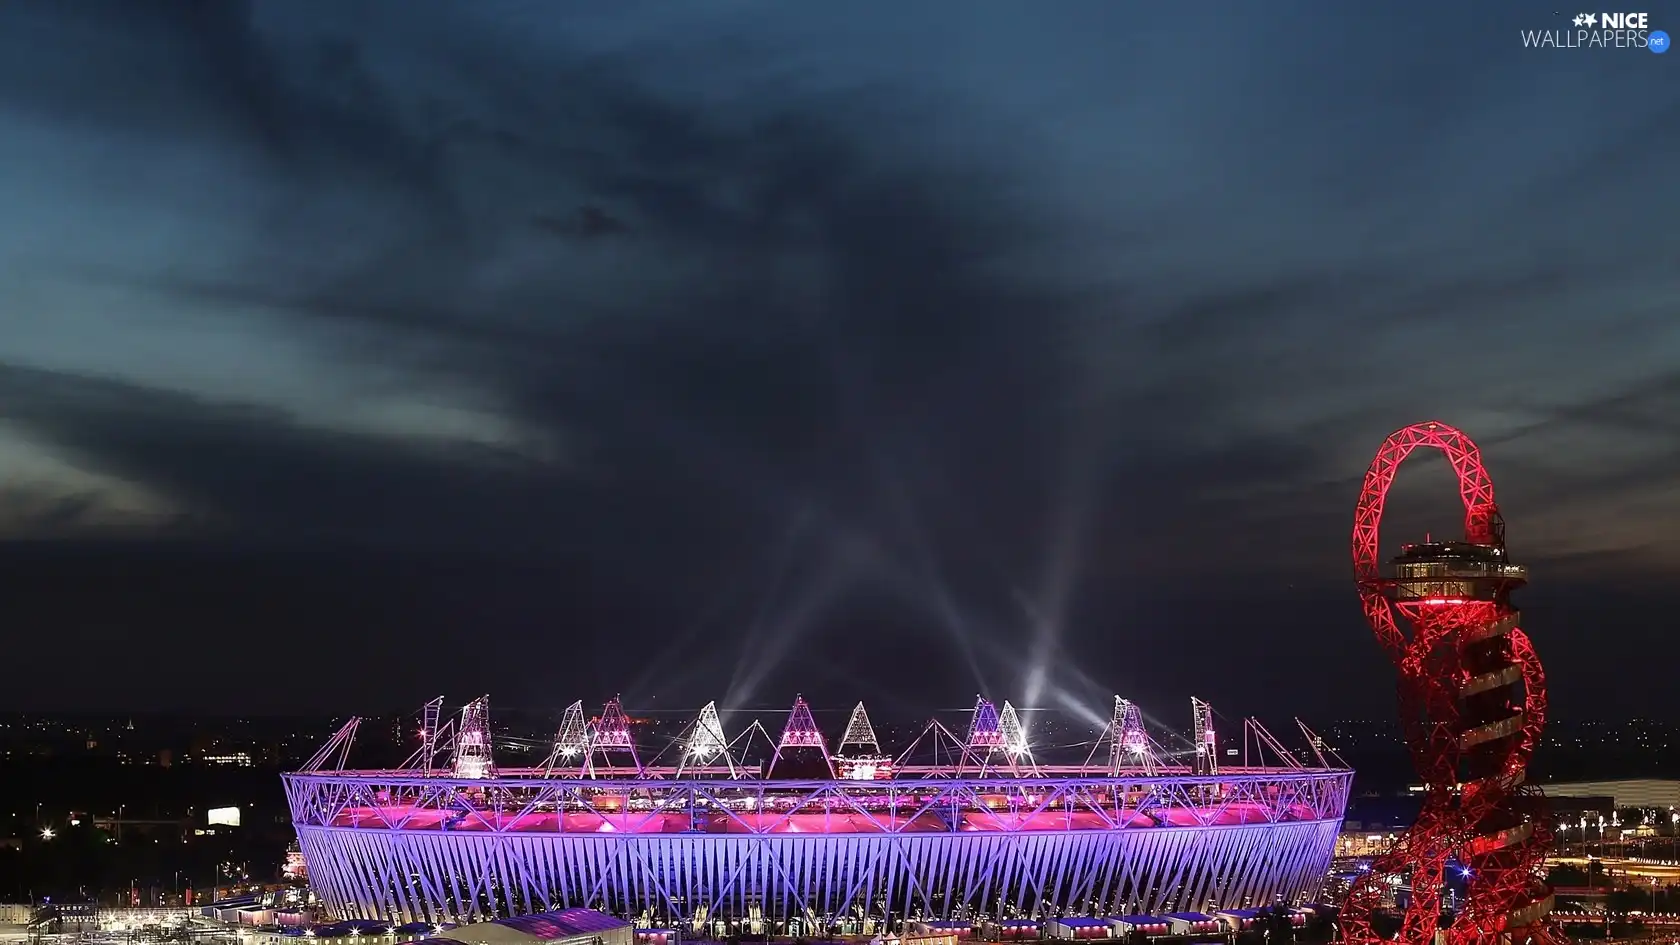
x=61, y=834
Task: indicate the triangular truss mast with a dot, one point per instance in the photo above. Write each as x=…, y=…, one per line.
x=858, y=757
x=860, y=735
x=995, y=736
x=801, y=733
x=570, y=756
x=611, y=744
x=1129, y=746
x=704, y=744
x=472, y=757
x=1207, y=741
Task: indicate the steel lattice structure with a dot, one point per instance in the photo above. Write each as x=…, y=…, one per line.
x=1473, y=702
x=716, y=837
x=397, y=845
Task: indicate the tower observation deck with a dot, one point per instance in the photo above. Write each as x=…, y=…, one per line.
x=1453, y=571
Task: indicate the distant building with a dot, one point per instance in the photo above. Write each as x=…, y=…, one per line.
x=294, y=868
x=16, y=913
x=1633, y=792
x=1077, y=928
x=1590, y=806
x=1373, y=823
x=1361, y=843
x=241, y=759
x=560, y=927
x=57, y=918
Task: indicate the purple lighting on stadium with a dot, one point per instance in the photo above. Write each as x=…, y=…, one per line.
x=718, y=839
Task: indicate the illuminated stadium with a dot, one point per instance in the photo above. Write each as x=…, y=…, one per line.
x=695, y=836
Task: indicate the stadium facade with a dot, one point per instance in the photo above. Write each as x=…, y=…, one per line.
x=811, y=839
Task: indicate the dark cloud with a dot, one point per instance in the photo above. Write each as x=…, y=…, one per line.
x=768, y=338
x=588, y=223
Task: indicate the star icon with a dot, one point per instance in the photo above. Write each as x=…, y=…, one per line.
x=1580, y=19
x=1592, y=19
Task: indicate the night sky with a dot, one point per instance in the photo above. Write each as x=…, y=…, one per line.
x=355, y=353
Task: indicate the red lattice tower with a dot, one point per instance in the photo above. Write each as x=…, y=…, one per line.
x=1472, y=702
